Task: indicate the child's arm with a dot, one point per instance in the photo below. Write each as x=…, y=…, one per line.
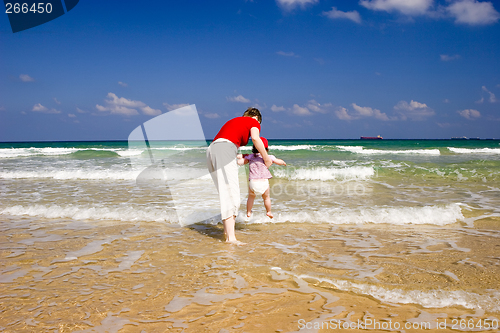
x=279, y=162
x=241, y=160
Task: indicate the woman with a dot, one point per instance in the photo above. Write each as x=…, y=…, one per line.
x=223, y=167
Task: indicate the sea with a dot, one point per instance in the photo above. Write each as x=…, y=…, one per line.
x=379, y=235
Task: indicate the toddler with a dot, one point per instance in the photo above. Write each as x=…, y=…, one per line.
x=258, y=177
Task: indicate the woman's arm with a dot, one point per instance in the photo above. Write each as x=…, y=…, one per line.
x=257, y=142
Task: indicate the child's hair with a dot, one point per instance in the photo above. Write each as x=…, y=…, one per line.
x=255, y=151
x=253, y=112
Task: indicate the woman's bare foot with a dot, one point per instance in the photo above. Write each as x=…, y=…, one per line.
x=236, y=242
x=249, y=213
x=270, y=215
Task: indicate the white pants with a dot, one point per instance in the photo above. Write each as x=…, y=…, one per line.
x=222, y=165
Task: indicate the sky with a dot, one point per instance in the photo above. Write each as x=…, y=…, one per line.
x=316, y=69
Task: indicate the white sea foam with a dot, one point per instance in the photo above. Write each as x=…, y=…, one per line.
x=48, y=151
x=71, y=174
x=428, y=299
x=433, y=215
x=296, y=147
x=129, y=152
x=117, y=213
x=107, y=174
x=280, y=147
x=475, y=150
x=363, y=150
x=178, y=148
x=21, y=152
x=324, y=173
x=403, y=215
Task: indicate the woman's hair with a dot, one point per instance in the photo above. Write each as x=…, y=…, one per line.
x=253, y=112
x=255, y=151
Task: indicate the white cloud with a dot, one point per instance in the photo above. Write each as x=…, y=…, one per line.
x=300, y=111
x=80, y=110
x=123, y=84
x=492, y=98
x=211, y=115
x=342, y=114
x=150, y=111
x=125, y=107
x=407, y=7
x=363, y=111
x=469, y=114
x=292, y=4
x=473, y=12
x=370, y=112
x=171, y=107
x=101, y=108
x=446, y=57
x=317, y=107
x=307, y=110
x=413, y=110
x=275, y=108
x=288, y=54
x=26, y=78
x=337, y=14
x=122, y=101
x=320, y=61
x=116, y=109
x=55, y=100
x=239, y=99
x=40, y=108
x=71, y=115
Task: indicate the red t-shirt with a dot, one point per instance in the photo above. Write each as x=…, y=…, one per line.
x=237, y=130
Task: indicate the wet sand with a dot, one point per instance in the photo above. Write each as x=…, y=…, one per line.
x=76, y=276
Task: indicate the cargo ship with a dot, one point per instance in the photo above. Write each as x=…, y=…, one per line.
x=378, y=137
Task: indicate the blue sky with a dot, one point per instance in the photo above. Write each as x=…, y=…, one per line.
x=315, y=68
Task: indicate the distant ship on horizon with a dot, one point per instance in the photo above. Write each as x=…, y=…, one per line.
x=378, y=137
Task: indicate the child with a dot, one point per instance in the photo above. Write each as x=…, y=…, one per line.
x=258, y=177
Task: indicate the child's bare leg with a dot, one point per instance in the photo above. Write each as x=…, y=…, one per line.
x=267, y=203
x=250, y=200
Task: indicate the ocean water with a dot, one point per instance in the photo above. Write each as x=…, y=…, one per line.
x=409, y=229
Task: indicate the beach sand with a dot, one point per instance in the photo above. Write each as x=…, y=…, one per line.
x=88, y=276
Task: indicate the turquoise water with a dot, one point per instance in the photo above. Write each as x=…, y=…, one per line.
x=326, y=181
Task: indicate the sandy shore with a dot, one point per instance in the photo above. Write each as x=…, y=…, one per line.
x=74, y=276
